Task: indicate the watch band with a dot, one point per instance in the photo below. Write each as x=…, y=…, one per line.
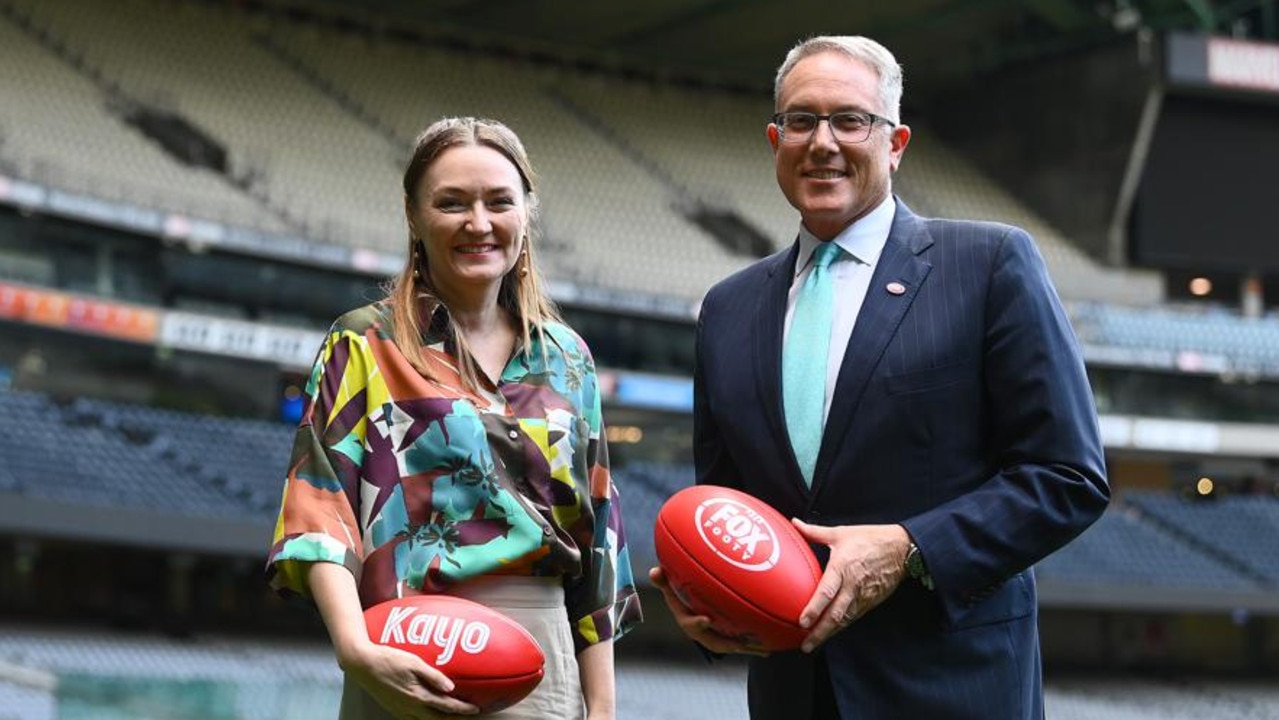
x=915, y=567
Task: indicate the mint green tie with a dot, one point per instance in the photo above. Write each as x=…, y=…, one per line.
x=804, y=360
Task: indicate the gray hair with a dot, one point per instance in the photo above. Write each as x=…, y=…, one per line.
x=875, y=56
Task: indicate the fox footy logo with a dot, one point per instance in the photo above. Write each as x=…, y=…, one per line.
x=737, y=534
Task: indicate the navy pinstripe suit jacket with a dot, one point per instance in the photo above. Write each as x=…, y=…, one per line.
x=961, y=411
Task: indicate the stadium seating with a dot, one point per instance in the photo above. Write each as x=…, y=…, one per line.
x=1170, y=699
x=317, y=123
x=607, y=221
x=92, y=452
x=1243, y=531
x=22, y=703
x=713, y=144
x=643, y=487
x=101, y=454
x=1249, y=343
x=200, y=60
x=1121, y=549
x=55, y=128
x=296, y=680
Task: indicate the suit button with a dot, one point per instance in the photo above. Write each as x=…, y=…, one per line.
x=513, y=435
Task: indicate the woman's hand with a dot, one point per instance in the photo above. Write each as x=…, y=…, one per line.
x=401, y=682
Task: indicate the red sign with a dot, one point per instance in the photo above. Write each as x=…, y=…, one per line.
x=64, y=311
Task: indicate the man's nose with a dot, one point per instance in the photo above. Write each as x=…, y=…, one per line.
x=823, y=136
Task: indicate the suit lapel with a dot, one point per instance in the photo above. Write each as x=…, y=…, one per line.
x=880, y=316
x=770, y=323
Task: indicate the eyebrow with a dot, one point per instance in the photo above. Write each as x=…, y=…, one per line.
x=458, y=190
x=836, y=111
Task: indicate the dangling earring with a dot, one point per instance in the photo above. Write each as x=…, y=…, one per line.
x=417, y=267
x=524, y=260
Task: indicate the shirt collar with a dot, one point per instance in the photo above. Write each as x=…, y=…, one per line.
x=438, y=329
x=863, y=239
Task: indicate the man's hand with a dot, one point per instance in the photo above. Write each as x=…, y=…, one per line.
x=698, y=627
x=867, y=563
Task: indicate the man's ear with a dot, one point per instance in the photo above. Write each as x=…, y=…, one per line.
x=898, y=141
x=774, y=136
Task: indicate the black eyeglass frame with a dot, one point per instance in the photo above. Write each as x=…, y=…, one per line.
x=817, y=120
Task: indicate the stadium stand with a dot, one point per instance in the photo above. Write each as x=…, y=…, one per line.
x=101, y=454
x=285, y=680
x=1121, y=549
x=296, y=680
x=55, y=127
x=1250, y=343
x=1171, y=699
x=644, y=486
x=608, y=221
x=675, y=128
x=1241, y=531
x=316, y=122
x=296, y=150
x=18, y=702
x=91, y=452
x=613, y=162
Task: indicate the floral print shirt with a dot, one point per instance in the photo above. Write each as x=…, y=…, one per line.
x=416, y=485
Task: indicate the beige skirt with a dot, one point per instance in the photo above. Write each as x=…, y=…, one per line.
x=538, y=605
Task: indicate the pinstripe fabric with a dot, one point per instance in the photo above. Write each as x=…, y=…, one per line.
x=961, y=411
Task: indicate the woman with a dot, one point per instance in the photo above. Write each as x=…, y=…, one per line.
x=453, y=443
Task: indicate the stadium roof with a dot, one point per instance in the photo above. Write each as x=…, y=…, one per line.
x=740, y=42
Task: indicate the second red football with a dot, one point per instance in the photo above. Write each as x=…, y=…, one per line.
x=732, y=557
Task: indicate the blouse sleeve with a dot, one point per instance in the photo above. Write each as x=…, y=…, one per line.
x=602, y=603
x=317, y=521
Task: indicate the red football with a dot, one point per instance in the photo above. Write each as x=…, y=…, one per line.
x=492, y=660
x=733, y=558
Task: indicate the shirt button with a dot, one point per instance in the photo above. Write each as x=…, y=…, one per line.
x=546, y=530
x=513, y=435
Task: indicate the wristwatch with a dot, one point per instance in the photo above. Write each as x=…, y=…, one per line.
x=915, y=567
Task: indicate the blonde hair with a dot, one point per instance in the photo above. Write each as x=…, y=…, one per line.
x=522, y=294
x=863, y=49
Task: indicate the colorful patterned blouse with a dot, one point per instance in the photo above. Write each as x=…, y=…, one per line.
x=415, y=485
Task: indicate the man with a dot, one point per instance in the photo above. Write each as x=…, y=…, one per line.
x=910, y=391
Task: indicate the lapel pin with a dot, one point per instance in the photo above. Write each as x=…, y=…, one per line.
x=895, y=288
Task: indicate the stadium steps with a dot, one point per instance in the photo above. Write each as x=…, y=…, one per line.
x=330, y=89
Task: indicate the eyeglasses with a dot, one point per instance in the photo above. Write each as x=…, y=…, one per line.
x=847, y=127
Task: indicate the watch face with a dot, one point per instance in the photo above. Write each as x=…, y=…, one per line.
x=915, y=567
x=914, y=562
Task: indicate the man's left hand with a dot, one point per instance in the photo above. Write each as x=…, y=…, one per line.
x=867, y=563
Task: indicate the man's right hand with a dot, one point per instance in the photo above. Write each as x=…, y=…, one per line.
x=698, y=627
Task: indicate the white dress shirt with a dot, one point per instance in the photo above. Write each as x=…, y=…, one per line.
x=862, y=242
